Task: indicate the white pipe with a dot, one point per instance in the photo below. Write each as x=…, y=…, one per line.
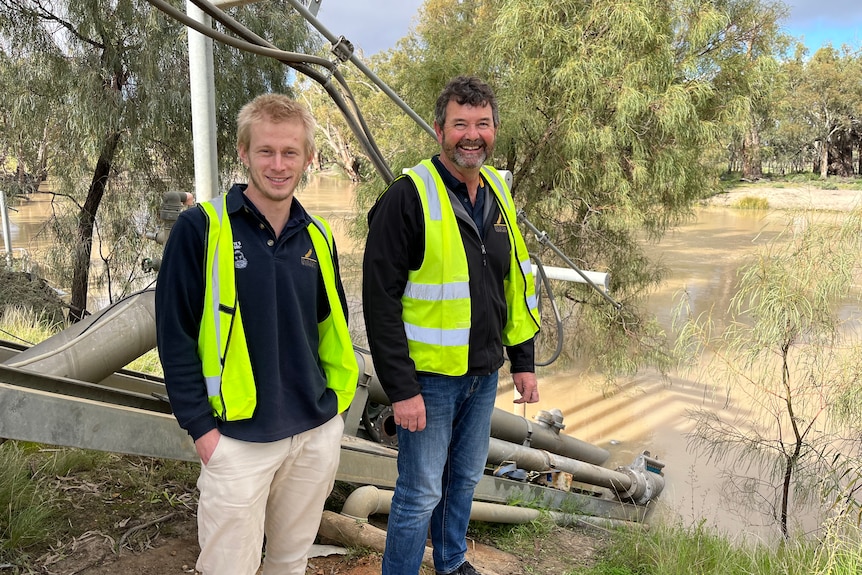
x=567, y=274
x=202, y=92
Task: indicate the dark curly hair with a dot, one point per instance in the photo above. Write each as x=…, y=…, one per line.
x=466, y=90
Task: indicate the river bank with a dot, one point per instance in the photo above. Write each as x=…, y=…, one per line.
x=791, y=197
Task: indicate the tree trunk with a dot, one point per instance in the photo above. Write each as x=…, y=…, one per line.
x=86, y=225
x=841, y=154
x=752, y=165
x=824, y=158
x=42, y=159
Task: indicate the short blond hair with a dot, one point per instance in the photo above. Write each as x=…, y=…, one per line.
x=275, y=108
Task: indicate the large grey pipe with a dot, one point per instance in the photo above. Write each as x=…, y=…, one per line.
x=96, y=347
x=516, y=429
x=368, y=500
x=500, y=451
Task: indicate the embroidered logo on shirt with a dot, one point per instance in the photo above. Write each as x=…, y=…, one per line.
x=239, y=261
x=500, y=225
x=308, y=260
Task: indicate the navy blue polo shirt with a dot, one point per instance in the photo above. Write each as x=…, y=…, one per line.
x=477, y=212
x=281, y=297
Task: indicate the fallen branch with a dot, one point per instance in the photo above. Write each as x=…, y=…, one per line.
x=137, y=528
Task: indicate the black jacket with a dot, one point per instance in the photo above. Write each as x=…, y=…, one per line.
x=396, y=245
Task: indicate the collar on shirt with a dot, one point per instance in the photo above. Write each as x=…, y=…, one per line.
x=237, y=200
x=451, y=181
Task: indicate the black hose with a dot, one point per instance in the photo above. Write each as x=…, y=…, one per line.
x=558, y=321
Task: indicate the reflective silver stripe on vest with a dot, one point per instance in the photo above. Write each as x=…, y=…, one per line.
x=435, y=211
x=438, y=337
x=214, y=382
x=437, y=292
x=526, y=269
x=322, y=229
x=498, y=184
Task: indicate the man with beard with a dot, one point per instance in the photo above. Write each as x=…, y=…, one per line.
x=446, y=285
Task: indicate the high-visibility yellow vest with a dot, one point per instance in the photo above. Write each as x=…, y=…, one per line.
x=222, y=345
x=436, y=301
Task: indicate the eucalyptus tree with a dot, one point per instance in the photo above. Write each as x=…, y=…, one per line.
x=744, y=59
x=827, y=105
x=790, y=137
x=120, y=112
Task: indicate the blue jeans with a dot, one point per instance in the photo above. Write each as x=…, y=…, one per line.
x=438, y=469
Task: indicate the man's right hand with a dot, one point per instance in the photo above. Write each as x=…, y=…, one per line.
x=206, y=444
x=410, y=413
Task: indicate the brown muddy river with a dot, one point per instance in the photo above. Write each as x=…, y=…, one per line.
x=646, y=412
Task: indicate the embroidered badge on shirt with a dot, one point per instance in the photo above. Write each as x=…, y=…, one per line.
x=239, y=261
x=500, y=225
x=308, y=260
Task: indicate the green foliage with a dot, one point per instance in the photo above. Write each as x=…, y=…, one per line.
x=751, y=203
x=787, y=352
x=513, y=538
x=28, y=515
x=101, y=99
x=669, y=550
x=147, y=363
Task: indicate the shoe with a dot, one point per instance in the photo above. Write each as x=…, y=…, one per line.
x=464, y=569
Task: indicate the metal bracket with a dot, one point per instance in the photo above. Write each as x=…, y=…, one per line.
x=343, y=49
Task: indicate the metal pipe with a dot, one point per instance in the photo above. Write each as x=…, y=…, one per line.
x=516, y=429
x=538, y=460
x=538, y=434
x=202, y=92
x=96, y=347
x=369, y=500
x=7, y=233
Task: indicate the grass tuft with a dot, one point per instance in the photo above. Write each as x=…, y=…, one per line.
x=27, y=517
x=751, y=203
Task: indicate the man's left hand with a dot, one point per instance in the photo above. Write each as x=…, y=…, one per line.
x=527, y=385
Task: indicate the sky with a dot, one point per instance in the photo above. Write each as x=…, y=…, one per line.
x=375, y=25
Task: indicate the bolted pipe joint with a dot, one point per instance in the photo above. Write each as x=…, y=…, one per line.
x=647, y=479
x=552, y=420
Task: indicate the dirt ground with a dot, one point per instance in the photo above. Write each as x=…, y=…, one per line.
x=94, y=554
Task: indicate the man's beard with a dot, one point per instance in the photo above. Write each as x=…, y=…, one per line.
x=469, y=160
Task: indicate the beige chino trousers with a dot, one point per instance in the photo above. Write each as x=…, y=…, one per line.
x=279, y=488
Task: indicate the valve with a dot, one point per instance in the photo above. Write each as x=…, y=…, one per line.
x=647, y=479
